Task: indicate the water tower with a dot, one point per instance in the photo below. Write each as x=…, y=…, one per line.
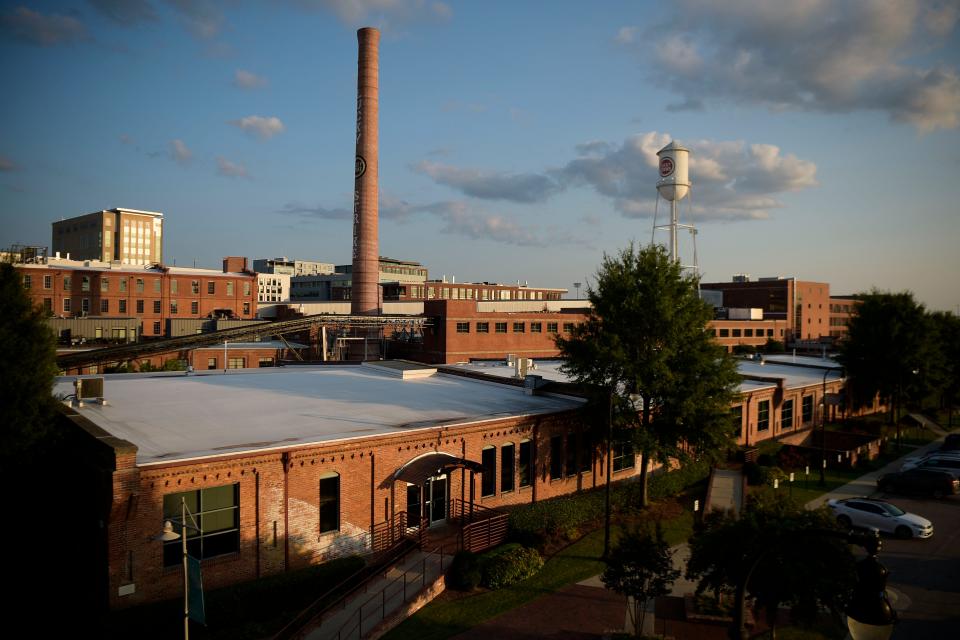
x=674, y=185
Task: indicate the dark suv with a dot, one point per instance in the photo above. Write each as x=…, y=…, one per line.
x=927, y=481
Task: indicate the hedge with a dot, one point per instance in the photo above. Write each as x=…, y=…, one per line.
x=508, y=565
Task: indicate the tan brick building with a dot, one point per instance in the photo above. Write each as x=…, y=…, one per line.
x=127, y=236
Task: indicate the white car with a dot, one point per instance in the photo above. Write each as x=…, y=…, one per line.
x=877, y=514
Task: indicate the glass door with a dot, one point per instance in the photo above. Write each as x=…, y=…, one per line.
x=437, y=490
x=413, y=506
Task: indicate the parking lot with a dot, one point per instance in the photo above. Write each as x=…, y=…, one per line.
x=925, y=574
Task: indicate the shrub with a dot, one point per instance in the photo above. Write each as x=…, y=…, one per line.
x=464, y=573
x=508, y=565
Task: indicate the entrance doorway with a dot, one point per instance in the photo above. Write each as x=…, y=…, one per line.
x=427, y=501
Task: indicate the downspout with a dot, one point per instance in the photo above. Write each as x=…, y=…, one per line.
x=256, y=502
x=285, y=460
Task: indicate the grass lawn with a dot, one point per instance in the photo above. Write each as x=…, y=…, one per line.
x=446, y=617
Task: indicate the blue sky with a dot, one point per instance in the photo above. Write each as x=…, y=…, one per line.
x=517, y=139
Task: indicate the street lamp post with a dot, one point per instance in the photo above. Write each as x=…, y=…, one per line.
x=169, y=535
x=823, y=430
x=869, y=614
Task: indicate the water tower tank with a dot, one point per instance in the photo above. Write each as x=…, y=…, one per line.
x=674, y=181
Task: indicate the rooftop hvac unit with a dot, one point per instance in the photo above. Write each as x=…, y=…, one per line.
x=89, y=389
x=520, y=367
x=511, y=358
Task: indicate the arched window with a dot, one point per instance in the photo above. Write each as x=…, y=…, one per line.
x=526, y=462
x=488, y=459
x=329, y=501
x=507, y=453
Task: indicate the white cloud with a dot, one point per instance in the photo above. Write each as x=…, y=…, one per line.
x=180, y=153
x=202, y=18
x=259, y=126
x=815, y=55
x=488, y=185
x=247, y=80
x=33, y=27
x=127, y=13
x=387, y=14
x=231, y=169
x=730, y=179
x=625, y=35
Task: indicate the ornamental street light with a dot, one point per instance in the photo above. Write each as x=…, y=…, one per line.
x=869, y=614
x=169, y=535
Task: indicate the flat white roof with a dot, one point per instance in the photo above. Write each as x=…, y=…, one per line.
x=793, y=376
x=181, y=417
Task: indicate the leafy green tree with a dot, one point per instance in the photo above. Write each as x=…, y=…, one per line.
x=645, y=343
x=640, y=566
x=27, y=369
x=792, y=565
x=947, y=332
x=889, y=351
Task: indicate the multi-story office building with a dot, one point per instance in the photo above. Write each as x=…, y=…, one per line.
x=286, y=266
x=127, y=236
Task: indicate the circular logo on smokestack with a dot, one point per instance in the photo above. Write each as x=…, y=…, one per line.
x=360, y=168
x=666, y=167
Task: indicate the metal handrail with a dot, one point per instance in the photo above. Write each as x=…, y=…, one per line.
x=358, y=623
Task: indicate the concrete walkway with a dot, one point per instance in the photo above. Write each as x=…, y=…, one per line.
x=725, y=492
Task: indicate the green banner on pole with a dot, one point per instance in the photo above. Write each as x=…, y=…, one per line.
x=197, y=611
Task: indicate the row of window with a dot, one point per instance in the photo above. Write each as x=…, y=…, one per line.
x=122, y=306
x=518, y=327
x=786, y=413
x=140, y=284
x=744, y=333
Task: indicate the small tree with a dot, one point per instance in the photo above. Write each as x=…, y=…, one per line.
x=640, y=566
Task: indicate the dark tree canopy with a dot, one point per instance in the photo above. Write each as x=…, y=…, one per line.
x=27, y=369
x=645, y=340
x=804, y=571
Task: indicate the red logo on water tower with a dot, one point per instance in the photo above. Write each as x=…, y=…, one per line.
x=666, y=167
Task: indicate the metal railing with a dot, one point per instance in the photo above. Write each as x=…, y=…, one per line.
x=482, y=527
x=394, y=595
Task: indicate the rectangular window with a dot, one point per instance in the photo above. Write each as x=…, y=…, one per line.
x=84, y=283
x=463, y=327
x=217, y=514
x=556, y=457
x=123, y=285
x=246, y=308
x=156, y=328
x=174, y=287
x=105, y=305
x=724, y=333
x=763, y=415
x=67, y=283
x=736, y=416
x=483, y=327
x=736, y=333
x=501, y=327
x=85, y=305
x=623, y=456
x=173, y=307
x=156, y=285
x=211, y=363
x=488, y=459
x=229, y=287
x=265, y=362
x=236, y=363
x=506, y=467
x=47, y=282
x=586, y=453
x=571, y=457
x=123, y=306
x=139, y=285
x=211, y=287
x=770, y=333
x=519, y=327
x=807, y=409
x=156, y=306
x=748, y=333
x=329, y=502
x=194, y=307
x=536, y=327
x=27, y=282
x=786, y=415
x=48, y=305
x=568, y=327
x=104, y=283
x=195, y=286
x=66, y=305
x=139, y=306
x=246, y=289
x=526, y=462
x=551, y=327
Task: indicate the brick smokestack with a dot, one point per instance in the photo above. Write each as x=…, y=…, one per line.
x=365, y=295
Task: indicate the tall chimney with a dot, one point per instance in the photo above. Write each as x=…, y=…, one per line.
x=365, y=294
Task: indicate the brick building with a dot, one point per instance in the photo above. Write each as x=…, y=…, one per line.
x=153, y=294
x=804, y=306
x=127, y=236
x=842, y=308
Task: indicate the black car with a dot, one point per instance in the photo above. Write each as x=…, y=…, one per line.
x=951, y=442
x=926, y=481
